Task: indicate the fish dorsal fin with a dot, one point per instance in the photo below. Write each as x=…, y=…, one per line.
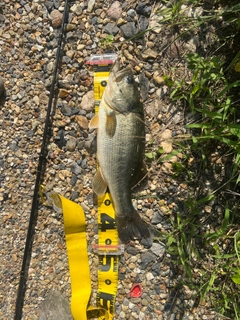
x=111, y=123
x=99, y=184
x=94, y=122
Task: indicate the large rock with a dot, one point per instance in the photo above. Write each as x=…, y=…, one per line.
x=55, y=307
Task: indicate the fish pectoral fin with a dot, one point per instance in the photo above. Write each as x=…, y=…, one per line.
x=111, y=123
x=140, y=177
x=99, y=184
x=94, y=122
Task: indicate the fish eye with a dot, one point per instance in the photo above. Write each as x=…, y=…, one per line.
x=129, y=79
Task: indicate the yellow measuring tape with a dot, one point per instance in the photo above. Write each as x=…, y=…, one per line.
x=107, y=248
x=75, y=234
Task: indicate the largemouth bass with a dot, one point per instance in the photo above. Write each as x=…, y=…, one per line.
x=120, y=150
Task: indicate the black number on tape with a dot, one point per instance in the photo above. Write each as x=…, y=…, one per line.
x=107, y=222
x=107, y=263
x=106, y=300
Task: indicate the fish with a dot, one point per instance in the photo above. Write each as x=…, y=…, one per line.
x=120, y=150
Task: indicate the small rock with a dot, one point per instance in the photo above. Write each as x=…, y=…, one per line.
x=2, y=19
x=63, y=93
x=155, y=128
x=84, y=163
x=128, y=55
x=76, y=8
x=27, y=7
x=121, y=22
x=70, y=53
x=154, y=24
x=146, y=258
x=56, y=17
x=129, y=30
x=35, y=124
x=153, y=109
x=68, y=111
x=158, y=80
x=71, y=144
x=59, y=139
x=143, y=24
x=131, y=13
x=158, y=249
x=75, y=168
x=111, y=28
x=149, y=53
x=74, y=195
x=91, y=4
x=143, y=9
x=166, y=135
x=87, y=102
x=36, y=100
x=43, y=98
x=145, y=301
x=81, y=46
x=82, y=122
x=167, y=146
x=70, y=27
x=73, y=180
x=157, y=218
x=115, y=10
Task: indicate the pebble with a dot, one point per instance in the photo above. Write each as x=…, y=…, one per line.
x=111, y=28
x=87, y=102
x=143, y=9
x=166, y=146
x=115, y=10
x=149, y=277
x=129, y=30
x=71, y=144
x=82, y=122
x=56, y=17
x=157, y=78
x=91, y=4
x=158, y=249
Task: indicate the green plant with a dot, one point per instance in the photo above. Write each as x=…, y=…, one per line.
x=206, y=247
x=208, y=93
x=218, y=273
x=107, y=40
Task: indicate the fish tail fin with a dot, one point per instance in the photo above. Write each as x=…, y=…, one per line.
x=133, y=227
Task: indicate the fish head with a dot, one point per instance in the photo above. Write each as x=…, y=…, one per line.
x=121, y=93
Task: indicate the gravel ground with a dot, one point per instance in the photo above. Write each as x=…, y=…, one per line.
x=29, y=32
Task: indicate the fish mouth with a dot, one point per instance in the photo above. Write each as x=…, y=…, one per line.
x=120, y=74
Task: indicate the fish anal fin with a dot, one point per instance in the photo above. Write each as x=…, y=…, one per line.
x=99, y=184
x=111, y=123
x=94, y=122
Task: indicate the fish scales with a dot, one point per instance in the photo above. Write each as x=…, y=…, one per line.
x=121, y=156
